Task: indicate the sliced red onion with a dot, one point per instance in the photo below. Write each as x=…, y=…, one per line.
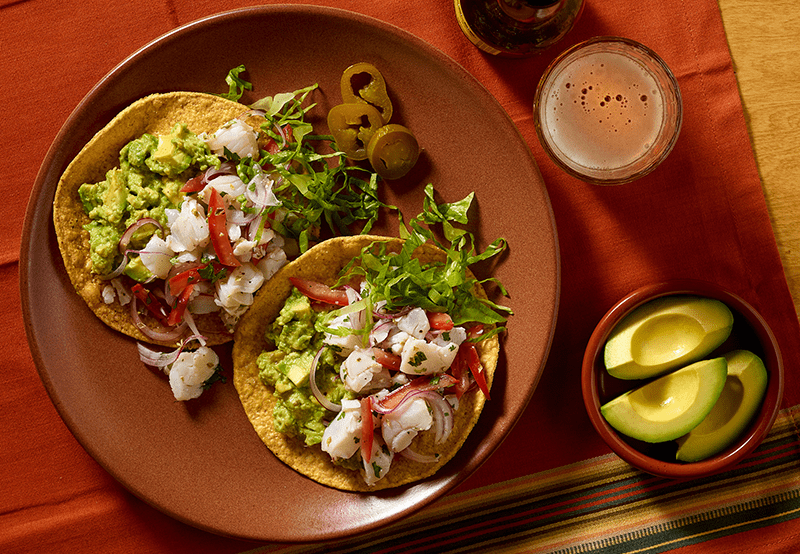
x=394, y=399
x=442, y=415
x=312, y=382
x=189, y=320
x=126, y=236
x=441, y=409
x=259, y=192
x=399, y=407
x=282, y=133
x=252, y=229
x=155, y=358
x=417, y=457
x=238, y=217
x=357, y=319
x=377, y=330
x=225, y=168
x=118, y=271
x=254, y=111
x=393, y=315
x=160, y=336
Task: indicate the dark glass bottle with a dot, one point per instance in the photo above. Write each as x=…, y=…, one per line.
x=516, y=28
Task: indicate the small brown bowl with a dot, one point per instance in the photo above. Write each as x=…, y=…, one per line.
x=750, y=332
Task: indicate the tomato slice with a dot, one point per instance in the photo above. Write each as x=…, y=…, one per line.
x=440, y=321
x=183, y=279
x=151, y=302
x=272, y=145
x=389, y=360
x=176, y=315
x=195, y=184
x=473, y=361
x=320, y=292
x=218, y=229
x=460, y=372
x=367, y=429
x=475, y=331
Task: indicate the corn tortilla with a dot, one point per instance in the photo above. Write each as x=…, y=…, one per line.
x=323, y=263
x=154, y=114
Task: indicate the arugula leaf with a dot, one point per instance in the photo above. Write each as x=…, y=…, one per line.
x=316, y=189
x=236, y=85
x=400, y=280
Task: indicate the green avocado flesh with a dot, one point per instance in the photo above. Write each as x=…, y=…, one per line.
x=740, y=400
x=670, y=406
x=665, y=334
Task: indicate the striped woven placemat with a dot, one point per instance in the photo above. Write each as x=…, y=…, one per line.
x=601, y=505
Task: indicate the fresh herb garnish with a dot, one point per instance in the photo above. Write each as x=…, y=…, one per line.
x=445, y=286
x=314, y=188
x=418, y=358
x=236, y=85
x=216, y=376
x=208, y=273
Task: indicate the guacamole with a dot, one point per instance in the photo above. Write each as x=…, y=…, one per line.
x=152, y=170
x=287, y=368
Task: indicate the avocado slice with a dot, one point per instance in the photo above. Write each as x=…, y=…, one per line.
x=670, y=406
x=739, y=402
x=665, y=334
x=137, y=271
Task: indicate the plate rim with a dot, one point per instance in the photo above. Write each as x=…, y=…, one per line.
x=46, y=168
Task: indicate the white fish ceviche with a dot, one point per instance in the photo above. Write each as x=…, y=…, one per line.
x=192, y=224
x=382, y=368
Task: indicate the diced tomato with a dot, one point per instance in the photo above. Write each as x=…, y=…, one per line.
x=320, y=292
x=460, y=371
x=440, y=321
x=176, y=315
x=423, y=383
x=218, y=229
x=195, y=184
x=151, y=302
x=389, y=360
x=180, y=281
x=272, y=145
x=473, y=361
x=367, y=429
x=475, y=331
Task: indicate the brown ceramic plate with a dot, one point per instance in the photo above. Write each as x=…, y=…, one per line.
x=201, y=461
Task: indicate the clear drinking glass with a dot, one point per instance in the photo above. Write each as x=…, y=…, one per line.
x=608, y=110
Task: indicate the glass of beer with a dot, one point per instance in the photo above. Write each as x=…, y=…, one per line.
x=608, y=110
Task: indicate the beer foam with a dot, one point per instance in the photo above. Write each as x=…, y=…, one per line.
x=603, y=110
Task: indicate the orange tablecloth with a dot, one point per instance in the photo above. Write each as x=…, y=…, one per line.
x=552, y=485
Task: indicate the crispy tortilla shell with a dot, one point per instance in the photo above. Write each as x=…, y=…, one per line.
x=323, y=263
x=154, y=114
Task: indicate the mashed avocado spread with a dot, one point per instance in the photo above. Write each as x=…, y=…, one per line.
x=287, y=369
x=152, y=170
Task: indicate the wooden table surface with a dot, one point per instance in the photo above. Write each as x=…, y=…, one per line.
x=764, y=38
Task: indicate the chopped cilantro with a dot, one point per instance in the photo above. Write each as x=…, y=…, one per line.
x=209, y=274
x=418, y=358
x=216, y=376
